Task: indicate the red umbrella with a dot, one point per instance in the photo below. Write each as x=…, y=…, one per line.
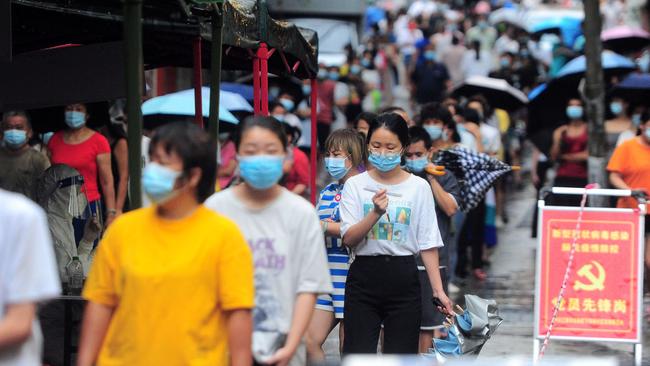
x=625, y=39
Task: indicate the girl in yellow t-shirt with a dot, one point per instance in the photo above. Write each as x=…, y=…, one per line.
x=172, y=284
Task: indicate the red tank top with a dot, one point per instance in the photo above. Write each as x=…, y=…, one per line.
x=571, y=145
x=326, y=101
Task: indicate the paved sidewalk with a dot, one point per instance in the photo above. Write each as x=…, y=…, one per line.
x=511, y=283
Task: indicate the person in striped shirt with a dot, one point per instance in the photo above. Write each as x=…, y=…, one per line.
x=344, y=154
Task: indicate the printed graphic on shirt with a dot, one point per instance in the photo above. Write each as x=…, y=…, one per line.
x=265, y=256
x=267, y=308
x=393, y=225
x=267, y=336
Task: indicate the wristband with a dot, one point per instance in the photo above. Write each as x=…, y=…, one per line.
x=112, y=212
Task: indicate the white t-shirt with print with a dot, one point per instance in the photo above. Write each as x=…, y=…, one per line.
x=289, y=256
x=28, y=271
x=409, y=224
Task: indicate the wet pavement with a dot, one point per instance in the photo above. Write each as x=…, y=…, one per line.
x=511, y=282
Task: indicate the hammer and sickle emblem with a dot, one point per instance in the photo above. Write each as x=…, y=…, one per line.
x=593, y=280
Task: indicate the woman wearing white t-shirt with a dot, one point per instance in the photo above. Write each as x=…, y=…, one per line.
x=388, y=217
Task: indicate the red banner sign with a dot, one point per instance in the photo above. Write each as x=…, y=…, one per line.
x=602, y=295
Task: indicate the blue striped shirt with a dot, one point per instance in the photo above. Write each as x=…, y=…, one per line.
x=328, y=208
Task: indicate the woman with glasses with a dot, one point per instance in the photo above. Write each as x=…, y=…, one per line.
x=387, y=218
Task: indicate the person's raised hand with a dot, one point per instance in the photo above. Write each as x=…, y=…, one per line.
x=380, y=201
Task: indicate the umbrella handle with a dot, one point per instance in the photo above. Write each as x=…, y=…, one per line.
x=438, y=170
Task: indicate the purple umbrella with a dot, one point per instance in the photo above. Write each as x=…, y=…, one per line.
x=625, y=39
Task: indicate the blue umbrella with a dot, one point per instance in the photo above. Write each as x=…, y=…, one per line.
x=635, y=81
x=536, y=92
x=635, y=89
x=374, y=15
x=612, y=63
x=244, y=90
x=182, y=104
x=569, y=28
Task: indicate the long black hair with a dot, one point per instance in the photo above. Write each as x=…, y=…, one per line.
x=195, y=147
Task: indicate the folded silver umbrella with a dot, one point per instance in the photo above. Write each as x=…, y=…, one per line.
x=472, y=327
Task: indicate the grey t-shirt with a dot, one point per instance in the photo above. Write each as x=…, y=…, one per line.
x=19, y=173
x=289, y=254
x=449, y=183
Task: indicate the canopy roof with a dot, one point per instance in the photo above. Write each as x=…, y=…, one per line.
x=169, y=26
x=56, y=44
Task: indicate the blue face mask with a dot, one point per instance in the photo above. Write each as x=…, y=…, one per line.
x=385, y=162
x=430, y=55
x=261, y=171
x=636, y=120
x=75, y=119
x=322, y=74
x=158, y=182
x=366, y=63
x=336, y=167
x=574, y=112
x=45, y=137
x=288, y=104
x=616, y=108
x=333, y=75
x=355, y=69
x=504, y=62
x=417, y=165
x=306, y=89
x=435, y=132
x=15, y=139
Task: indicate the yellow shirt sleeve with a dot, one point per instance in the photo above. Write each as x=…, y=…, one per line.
x=236, y=284
x=101, y=285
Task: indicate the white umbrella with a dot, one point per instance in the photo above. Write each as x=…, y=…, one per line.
x=511, y=16
x=498, y=92
x=182, y=104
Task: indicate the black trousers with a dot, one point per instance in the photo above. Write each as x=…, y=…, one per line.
x=567, y=199
x=471, y=236
x=382, y=290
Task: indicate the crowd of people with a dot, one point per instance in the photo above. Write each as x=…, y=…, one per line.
x=228, y=263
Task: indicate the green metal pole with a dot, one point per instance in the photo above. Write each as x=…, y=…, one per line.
x=215, y=70
x=134, y=74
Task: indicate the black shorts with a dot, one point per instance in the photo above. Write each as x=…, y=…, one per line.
x=431, y=317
